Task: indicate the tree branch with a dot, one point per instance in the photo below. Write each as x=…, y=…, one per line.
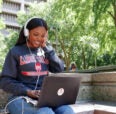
x=111, y=15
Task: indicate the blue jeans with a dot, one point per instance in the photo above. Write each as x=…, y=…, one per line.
x=19, y=105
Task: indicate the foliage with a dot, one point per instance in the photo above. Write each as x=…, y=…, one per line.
x=6, y=43
x=2, y=46
x=71, y=24
x=72, y=31
x=11, y=39
x=105, y=24
x=100, y=7
x=107, y=59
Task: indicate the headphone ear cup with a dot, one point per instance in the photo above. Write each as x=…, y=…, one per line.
x=26, y=32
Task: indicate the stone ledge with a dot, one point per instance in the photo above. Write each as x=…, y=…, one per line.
x=3, y=98
x=104, y=77
x=89, y=108
x=93, y=108
x=86, y=78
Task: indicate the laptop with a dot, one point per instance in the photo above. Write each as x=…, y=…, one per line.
x=59, y=90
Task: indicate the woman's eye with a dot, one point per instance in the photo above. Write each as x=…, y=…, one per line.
x=36, y=34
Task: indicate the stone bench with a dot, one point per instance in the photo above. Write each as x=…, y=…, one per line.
x=93, y=108
x=89, y=108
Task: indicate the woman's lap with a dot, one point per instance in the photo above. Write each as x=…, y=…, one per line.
x=20, y=106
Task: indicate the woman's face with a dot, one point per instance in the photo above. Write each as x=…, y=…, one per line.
x=37, y=37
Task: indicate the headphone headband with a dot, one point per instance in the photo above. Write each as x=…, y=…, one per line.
x=26, y=31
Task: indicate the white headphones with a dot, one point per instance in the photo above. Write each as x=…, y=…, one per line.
x=26, y=31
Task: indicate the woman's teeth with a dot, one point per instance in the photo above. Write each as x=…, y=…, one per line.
x=36, y=42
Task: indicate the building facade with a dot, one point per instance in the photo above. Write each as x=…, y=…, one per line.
x=10, y=9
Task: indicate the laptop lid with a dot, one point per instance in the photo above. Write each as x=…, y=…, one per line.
x=59, y=90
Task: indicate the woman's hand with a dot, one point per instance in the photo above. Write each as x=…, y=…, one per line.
x=44, y=40
x=43, y=44
x=33, y=93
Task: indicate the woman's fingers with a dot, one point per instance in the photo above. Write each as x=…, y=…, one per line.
x=37, y=92
x=33, y=93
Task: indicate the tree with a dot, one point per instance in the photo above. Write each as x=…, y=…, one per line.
x=66, y=26
x=72, y=31
x=105, y=23
x=104, y=6
x=2, y=40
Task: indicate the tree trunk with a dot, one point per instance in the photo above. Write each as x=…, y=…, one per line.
x=83, y=58
x=114, y=7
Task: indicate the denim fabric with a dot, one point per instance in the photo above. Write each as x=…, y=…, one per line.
x=65, y=109
x=20, y=106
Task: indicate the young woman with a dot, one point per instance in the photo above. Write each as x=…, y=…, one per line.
x=25, y=67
